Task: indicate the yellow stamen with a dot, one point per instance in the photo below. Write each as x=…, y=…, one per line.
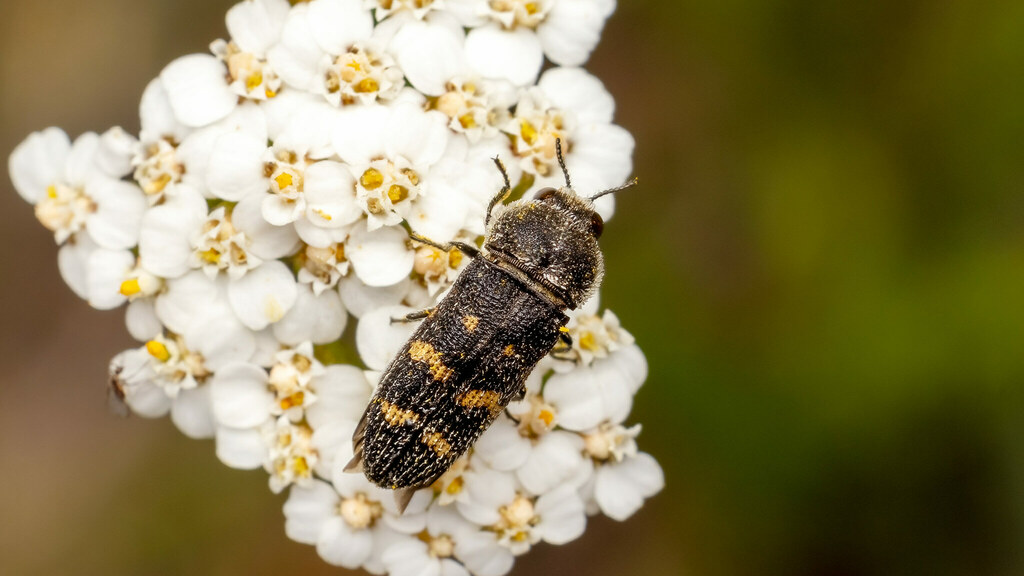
x=454, y=258
x=547, y=417
x=397, y=193
x=253, y=81
x=588, y=342
x=371, y=179
x=130, y=287
x=158, y=350
x=528, y=132
x=366, y=85
x=211, y=256
x=284, y=180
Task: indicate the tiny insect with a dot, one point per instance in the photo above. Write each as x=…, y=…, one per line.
x=472, y=353
x=117, y=398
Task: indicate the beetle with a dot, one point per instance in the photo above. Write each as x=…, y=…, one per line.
x=472, y=353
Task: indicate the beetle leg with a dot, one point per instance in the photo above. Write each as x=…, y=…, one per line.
x=466, y=249
x=502, y=194
x=413, y=316
x=563, y=349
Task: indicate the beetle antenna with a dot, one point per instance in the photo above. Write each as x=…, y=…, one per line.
x=561, y=161
x=629, y=184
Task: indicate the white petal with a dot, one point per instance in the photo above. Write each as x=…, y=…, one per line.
x=141, y=319
x=337, y=24
x=264, y=295
x=342, y=393
x=80, y=165
x=317, y=236
x=632, y=365
x=149, y=401
x=73, y=263
x=620, y=488
x=487, y=491
x=573, y=28
x=421, y=137
x=330, y=190
x=114, y=156
x=513, y=55
x=615, y=390
x=380, y=257
x=577, y=90
x=339, y=545
x=409, y=558
x=554, y=458
x=360, y=298
x=192, y=413
x=601, y=158
x=378, y=339
x=430, y=53
x=450, y=567
x=256, y=26
x=318, y=319
x=38, y=162
x=502, y=447
x=440, y=213
x=220, y=337
x=241, y=449
x=279, y=211
x=359, y=133
x=240, y=396
x=328, y=439
x=295, y=58
x=236, y=166
x=107, y=269
x=309, y=128
x=164, y=238
x=577, y=397
x=561, y=515
x=185, y=299
x=482, y=555
x=267, y=241
x=157, y=116
x=198, y=90
x=119, y=208
x=307, y=509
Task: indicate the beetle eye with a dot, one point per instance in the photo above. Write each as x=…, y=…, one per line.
x=596, y=225
x=544, y=194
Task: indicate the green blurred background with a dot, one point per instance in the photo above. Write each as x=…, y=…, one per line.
x=824, y=264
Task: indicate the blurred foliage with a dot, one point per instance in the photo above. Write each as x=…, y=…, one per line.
x=824, y=263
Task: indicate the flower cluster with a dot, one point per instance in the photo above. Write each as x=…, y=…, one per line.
x=267, y=203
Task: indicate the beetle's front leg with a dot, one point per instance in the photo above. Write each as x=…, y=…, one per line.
x=414, y=316
x=466, y=249
x=563, y=349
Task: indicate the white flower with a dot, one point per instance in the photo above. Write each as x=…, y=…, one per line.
x=522, y=32
x=449, y=546
x=180, y=235
x=314, y=33
x=620, y=488
x=255, y=26
x=519, y=520
x=164, y=375
x=476, y=108
x=322, y=268
x=291, y=457
x=390, y=150
x=71, y=191
x=596, y=336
